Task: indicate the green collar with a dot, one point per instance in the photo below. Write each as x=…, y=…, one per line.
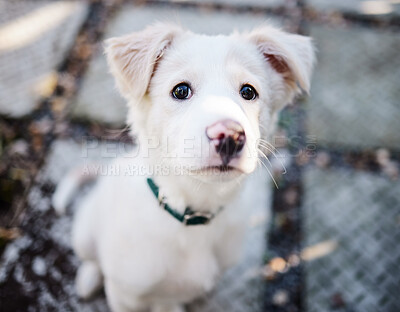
x=189, y=217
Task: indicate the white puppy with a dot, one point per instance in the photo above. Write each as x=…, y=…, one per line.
x=199, y=106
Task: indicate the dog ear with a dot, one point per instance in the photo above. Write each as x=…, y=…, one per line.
x=133, y=58
x=290, y=55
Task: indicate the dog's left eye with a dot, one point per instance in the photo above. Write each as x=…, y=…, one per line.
x=248, y=92
x=182, y=91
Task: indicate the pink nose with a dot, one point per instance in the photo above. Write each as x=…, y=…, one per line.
x=228, y=137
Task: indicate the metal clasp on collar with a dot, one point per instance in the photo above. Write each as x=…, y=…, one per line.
x=197, y=217
x=161, y=200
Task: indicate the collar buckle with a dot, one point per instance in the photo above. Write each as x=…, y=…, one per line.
x=196, y=217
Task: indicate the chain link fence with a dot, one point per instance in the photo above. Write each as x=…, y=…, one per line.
x=351, y=206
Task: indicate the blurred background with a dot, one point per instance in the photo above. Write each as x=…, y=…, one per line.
x=332, y=240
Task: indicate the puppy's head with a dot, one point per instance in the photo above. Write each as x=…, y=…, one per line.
x=208, y=100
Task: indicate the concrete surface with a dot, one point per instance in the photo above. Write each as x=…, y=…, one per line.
x=352, y=224
x=355, y=88
x=34, y=39
x=256, y=3
x=367, y=7
x=98, y=98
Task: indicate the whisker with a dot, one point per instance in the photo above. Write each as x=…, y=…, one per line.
x=265, y=156
x=271, y=148
x=116, y=133
x=265, y=142
x=275, y=154
x=269, y=172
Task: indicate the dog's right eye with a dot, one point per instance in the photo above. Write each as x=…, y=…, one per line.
x=248, y=92
x=182, y=91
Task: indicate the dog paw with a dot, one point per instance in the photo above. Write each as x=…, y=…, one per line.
x=167, y=308
x=88, y=279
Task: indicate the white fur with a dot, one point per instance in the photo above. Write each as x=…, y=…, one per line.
x=146, y=257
